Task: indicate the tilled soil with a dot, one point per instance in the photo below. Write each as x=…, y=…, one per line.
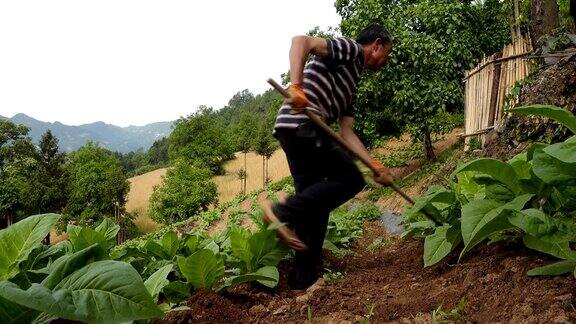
x=389, y=284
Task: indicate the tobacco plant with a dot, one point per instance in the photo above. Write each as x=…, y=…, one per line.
x=532, y=196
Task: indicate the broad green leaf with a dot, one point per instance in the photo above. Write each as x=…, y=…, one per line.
x=536, y=223
x=51, y=252
x=83, y=237
x=101, y=292
x=239, y=239
x=177, y=291
x=565, y=151
x=426, y=203
x=18, y=240
x=552, y=170
x=192, y=243
x=67, y=264
x=267, y=276
x=12, y=313
x=472, y=215
x=417, y=228
x=560, y=250
x=212, y=246
x=155, y=249
x=202, y=269
x=273, y=257
x=521, y=165
x=108, y=228
x=533, y=148
x=441, y=243
x=272, y=275
x=481, y=218
x=499, y=192
x=467, y=186
x=560, y=115
x=170, y=243
x=496, y=169
x=158, y=280
x=554, y=269
x=260, y=243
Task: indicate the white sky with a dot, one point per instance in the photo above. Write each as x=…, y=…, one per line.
x=133, y=62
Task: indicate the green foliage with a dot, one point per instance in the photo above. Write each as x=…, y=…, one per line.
x=158, y=152
x=434, y=43
x=554, y=269
x=113, y=288
x=198, y=140
x=529, y=196
x=558, y=114
x=96, y=185
x=439, y=244
x=20, y=239
x=345, y=225
x=202, y=269
x=186, y=190
x=256, y=253
x=30, y=178
x=158, y=280
x=401, y=156
x=69, y=280
x=52, y=183
x=440, y=315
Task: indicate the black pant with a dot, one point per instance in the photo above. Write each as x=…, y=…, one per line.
x=325, y=177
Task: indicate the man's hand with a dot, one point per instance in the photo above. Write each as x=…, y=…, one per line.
x=297, y=98
x=383, y=176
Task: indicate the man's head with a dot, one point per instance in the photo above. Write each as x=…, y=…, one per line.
x=377, y=44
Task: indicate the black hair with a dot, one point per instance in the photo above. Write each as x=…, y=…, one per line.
x=372, y=33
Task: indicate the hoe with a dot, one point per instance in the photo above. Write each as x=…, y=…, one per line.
x=389, y=218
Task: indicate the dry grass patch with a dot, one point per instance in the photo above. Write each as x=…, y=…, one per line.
x=229, y=184
x=142, y=186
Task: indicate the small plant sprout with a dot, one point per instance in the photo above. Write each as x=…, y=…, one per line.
x=441, y=316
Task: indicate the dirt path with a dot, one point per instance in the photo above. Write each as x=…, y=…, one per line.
x=391, y=285
x=388, y=284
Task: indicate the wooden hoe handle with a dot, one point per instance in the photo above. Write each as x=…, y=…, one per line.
x=316, y=120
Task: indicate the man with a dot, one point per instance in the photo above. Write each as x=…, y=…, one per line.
x=324, y=174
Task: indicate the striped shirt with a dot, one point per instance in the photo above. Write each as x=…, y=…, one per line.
x=330, y=83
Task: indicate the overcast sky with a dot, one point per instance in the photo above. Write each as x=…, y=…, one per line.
x=133, y=62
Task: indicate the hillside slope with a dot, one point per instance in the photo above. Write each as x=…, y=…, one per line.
x=142, y=186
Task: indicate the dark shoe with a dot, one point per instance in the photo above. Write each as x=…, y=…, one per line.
x=301, y=280
x=285, y=234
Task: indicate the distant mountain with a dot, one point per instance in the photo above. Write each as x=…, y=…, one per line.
x=114, y=138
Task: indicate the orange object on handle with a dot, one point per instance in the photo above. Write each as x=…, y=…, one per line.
x=297, y=96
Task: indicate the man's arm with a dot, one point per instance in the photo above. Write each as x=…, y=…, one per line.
x=301, y=47
x=347, y=131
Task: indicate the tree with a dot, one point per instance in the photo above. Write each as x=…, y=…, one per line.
x=158, y=152
x=199, y=140
x=16, y=160
x=265, y=147
x=185, y=191
x=244, y=134
x=434, y=43
x=14, y=143
x=95, y=186
x=544, y=19
x=52, y=180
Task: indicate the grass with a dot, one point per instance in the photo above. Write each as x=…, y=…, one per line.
x=229, y=184
x=425, y=170
x=142, y=186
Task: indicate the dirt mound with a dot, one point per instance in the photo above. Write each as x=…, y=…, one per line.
x=207, y=307
x=389, y=284
x=555, y=85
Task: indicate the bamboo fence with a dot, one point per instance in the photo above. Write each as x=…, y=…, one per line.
x=488, y=85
